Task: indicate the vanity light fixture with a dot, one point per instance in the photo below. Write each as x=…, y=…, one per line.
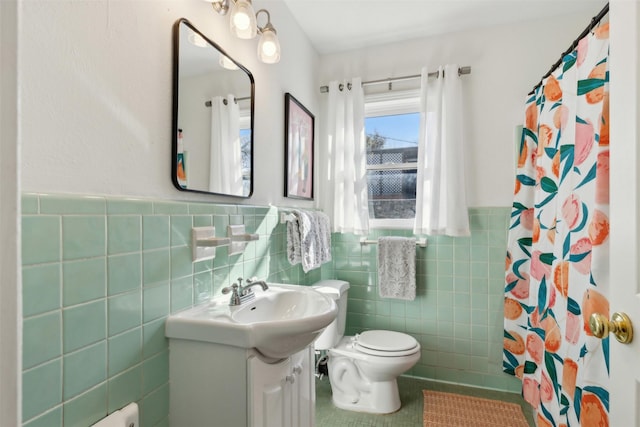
x=243, y=24
x=268, y=46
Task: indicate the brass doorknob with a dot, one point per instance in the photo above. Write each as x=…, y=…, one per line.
x=620, y=326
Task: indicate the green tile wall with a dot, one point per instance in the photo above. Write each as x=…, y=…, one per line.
x=100, y=275
x=458, y=311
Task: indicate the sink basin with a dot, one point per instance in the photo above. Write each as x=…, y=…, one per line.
x=280, y=321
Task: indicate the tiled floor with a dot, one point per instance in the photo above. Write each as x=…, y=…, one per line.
x=410, y=415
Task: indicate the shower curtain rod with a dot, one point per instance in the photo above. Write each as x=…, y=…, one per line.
x=461, y=71
x=594, y=22
x=224, y=101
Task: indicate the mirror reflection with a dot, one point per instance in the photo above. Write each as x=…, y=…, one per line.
x=212, y=117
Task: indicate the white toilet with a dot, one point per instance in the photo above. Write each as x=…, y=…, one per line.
x=363, y=369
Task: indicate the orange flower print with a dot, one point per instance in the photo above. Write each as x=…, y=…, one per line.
x=517, y=187
x=552, y=90
x=546, y=388
x=584, y=142
x=602, y=31
x=538, y=268
x=541, y=421
x=507, y=261
x=545, y=136
x=512, y=309
x=515, y=345
x=572, y=328
x=531, y=117
x=555, y=164
x=598, y=228
x=583, y=47
x=602, y=178
x=560, y=117
x=596, y=95
x=536, y=230
x=535, y=347
x=592, y=412
x=552, y=297
x=521, y=289
x=553, y=337
x=604, y=121
x=531, y=392
x=519, y=371
x=569, y=374
x=578, y=249
x=593, y=302
x=526, y=219
x=561, y=278
x=571, y=211
x=540, y=173
x=522, y=158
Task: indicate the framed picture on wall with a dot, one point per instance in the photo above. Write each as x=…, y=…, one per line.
x=298, y=133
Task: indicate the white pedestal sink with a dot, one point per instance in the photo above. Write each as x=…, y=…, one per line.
x=279, y=322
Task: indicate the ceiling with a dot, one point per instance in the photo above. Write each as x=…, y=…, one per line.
x=341, y=25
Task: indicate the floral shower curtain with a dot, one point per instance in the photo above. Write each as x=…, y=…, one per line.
x=557, y=256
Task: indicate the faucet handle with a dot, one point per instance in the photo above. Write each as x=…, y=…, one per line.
x=252, y=279
x=233, y=288
x=235, y=298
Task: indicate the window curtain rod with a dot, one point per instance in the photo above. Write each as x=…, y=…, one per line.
x=390, y=80
x=594, y=22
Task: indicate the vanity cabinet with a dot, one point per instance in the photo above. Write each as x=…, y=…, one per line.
x=219, y=385
x=282, y=394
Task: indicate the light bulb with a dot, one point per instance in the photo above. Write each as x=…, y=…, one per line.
x=242, y=21
x=269, y=48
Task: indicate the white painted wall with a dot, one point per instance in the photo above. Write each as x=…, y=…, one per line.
x=96, y=95
x=506, y=62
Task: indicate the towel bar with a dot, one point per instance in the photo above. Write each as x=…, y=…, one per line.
x=419, y=242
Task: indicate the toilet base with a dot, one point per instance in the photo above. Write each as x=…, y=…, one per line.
x=379, y=398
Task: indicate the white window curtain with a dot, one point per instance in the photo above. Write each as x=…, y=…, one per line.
x=441, y=206
x=345, y=177
x=225, y=175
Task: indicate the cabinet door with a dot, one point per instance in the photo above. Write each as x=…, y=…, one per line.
x=269, y=393
x=303, y=396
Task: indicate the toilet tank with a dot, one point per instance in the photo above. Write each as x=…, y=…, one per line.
x=337, y=290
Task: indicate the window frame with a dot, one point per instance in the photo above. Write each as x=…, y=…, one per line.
x=388, y=104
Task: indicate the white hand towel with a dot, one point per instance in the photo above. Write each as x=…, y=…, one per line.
x=397, y=267
x=309, y=239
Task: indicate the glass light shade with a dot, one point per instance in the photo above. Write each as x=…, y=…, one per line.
x=269, y=46
x=242, y=20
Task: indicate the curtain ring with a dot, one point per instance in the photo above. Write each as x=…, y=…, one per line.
x=349, y=86
x=224, y=101
x=340, y=87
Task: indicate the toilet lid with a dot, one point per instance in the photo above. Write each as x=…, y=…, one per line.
x=386, y=343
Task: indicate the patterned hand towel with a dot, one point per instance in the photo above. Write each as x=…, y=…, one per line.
x=397, y=267
x=309, y=239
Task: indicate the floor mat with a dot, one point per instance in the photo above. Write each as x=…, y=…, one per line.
x=456, y=410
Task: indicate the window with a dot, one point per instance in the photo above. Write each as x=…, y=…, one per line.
x=392, y=125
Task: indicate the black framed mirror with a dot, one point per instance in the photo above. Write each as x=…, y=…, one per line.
x=213, y=107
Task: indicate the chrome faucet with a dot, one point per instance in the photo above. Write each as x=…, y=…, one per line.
x=240, y=294
x=253, y=282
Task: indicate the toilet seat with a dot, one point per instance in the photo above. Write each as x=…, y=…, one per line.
x=385, y=343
